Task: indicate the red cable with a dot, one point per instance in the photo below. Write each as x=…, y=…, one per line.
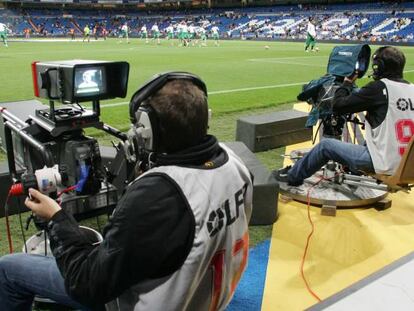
x=307, y=246
x=15, y=190
x=68, y=189
x=305, y=252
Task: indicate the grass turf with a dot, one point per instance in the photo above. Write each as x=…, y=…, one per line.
x=242, y=78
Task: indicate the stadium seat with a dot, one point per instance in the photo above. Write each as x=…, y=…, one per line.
x=359, y=21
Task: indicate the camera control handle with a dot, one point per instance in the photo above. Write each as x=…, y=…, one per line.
x=46, y=82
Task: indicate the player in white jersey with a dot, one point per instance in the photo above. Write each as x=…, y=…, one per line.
x=311, y=36
x=155, y=33
x=144, y=33
x=191, y=34
x=3, y=33
x=170, y=33
x=124, y=32
x=216, y=34
x=203, y=36
x=177, y=240
x=184, y=33
x=389, y=123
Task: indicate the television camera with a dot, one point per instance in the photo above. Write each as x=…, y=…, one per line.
x=48, y=149
x=344, y=61
x=335, y=185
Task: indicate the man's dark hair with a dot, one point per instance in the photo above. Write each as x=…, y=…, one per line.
x=182, y=112
x=393, y=60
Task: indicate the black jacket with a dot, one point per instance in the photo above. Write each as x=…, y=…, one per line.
x=149, y=235
x=372, y=98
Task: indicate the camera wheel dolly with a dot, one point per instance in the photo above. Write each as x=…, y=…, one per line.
x=332, y=188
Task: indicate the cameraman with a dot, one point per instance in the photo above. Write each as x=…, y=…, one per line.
x=389, y=123
x=178, y=238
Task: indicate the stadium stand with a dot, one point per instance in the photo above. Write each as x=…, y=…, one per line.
x=373, y=22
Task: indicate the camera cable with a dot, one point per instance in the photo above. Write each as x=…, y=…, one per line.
x=308, y=239
x=317, y=132
x=14, y=190
x=21, y=225
x=6, y=216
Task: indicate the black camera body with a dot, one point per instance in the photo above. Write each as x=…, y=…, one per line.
x=50, y=141
x=344, y=61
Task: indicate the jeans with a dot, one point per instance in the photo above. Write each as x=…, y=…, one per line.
x=355, y=157
x=23, y=276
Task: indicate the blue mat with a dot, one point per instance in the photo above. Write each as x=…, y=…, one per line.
x=249, y=292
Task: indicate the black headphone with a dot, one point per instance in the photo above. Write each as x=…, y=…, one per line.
x=144, y=135
x=378, y=64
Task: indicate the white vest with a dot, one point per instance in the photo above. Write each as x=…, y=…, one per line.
x=221, y=201
x=387, y=142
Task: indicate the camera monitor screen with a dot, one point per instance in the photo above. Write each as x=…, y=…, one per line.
x=89, y=81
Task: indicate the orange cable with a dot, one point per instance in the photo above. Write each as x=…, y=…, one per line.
x=307, y=247
x=305, y=252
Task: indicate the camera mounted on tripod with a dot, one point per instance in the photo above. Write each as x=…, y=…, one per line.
x=344, y=61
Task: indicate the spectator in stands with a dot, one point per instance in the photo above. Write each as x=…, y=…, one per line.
x=177, y=224
x=231, y=20
x=387, y=120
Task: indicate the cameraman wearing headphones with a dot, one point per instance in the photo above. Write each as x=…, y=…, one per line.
x=389, y=123
x=178, y=238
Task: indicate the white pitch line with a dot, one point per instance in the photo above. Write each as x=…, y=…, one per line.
x=283, y=58
x=246, y=89
x=274, y=61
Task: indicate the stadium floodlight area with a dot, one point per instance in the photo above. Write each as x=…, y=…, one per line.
x=370, y=22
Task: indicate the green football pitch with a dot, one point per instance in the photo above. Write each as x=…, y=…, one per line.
x=240, y=75
x=243, y=78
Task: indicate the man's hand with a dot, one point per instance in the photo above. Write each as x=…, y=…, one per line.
x=352, y=79
x=42, y=205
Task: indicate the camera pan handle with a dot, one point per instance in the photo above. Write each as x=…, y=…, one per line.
x=47, y=157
